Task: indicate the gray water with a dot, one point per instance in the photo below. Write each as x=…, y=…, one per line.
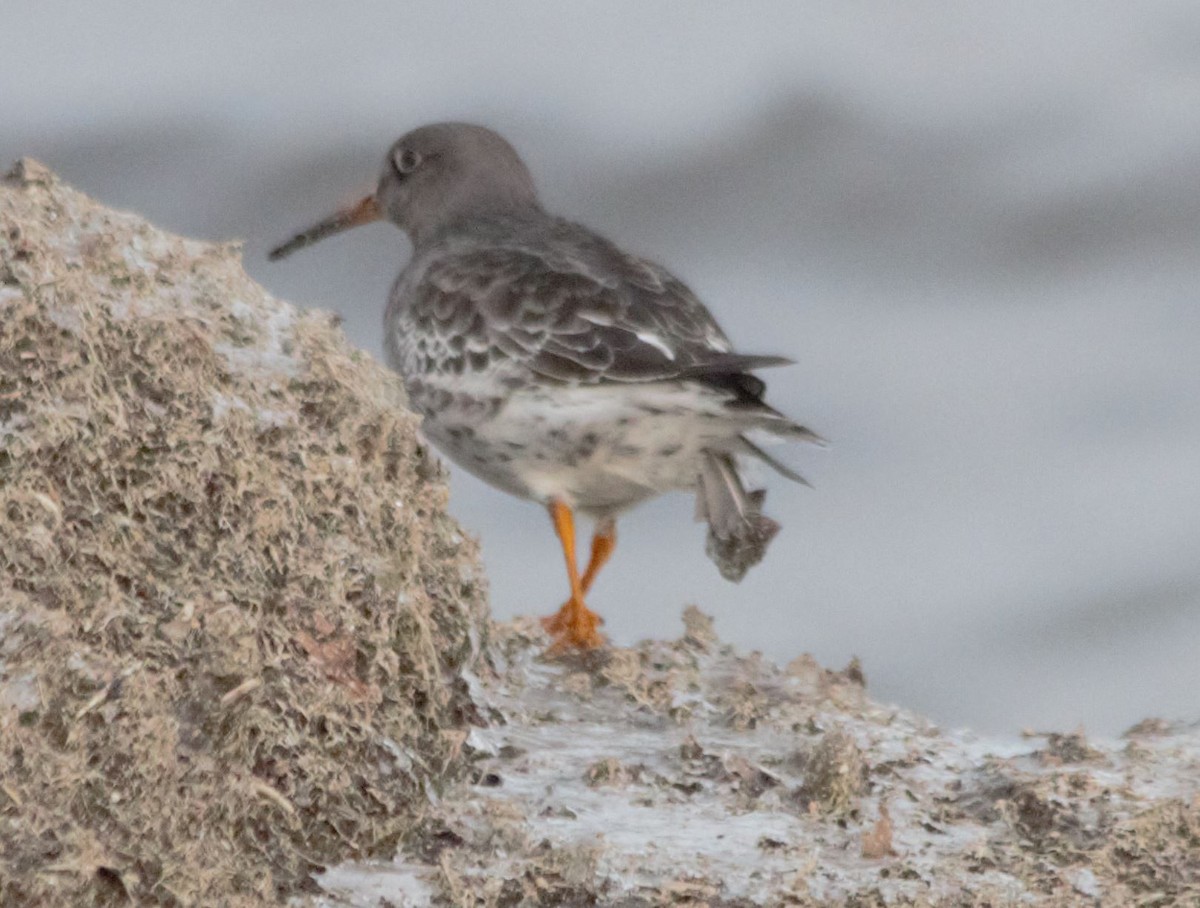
x=977, y=230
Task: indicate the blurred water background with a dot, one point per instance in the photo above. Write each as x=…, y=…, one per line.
x=975, y=227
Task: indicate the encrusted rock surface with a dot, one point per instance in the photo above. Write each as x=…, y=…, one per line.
x=685, y=773
x=236, y=623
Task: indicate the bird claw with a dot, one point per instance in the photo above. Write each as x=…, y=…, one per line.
x=574, y=626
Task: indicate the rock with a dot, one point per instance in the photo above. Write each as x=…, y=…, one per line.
x=236, y=619
x=689, y=775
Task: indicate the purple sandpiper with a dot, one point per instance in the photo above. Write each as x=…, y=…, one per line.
x=557, y=367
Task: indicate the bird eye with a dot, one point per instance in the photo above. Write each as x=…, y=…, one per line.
x=405, y=160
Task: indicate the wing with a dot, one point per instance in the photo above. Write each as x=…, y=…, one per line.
x=577, y=311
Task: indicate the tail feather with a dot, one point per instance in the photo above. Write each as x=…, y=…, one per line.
x=778, y=466
x=775, y=423
x=738, y=531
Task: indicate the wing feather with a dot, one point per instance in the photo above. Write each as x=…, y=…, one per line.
x=561, y=304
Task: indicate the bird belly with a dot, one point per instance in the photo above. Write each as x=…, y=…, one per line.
x=601, y=449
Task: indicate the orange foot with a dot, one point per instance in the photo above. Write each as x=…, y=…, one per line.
x=574, y=626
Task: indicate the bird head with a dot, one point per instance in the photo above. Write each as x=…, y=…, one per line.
x=431, y=178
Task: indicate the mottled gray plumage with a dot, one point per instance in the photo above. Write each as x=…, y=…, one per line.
x=551, y=363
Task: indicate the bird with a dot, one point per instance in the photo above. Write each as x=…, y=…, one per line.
x=557, y=367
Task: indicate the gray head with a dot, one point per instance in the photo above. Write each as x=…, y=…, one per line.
x=431, y=177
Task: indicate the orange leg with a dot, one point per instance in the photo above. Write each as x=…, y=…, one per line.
x=604, y=540
x=574, y=625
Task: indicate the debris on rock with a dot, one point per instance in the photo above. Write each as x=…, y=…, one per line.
x=835, y=774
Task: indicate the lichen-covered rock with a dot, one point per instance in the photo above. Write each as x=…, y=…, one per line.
x=236, y=622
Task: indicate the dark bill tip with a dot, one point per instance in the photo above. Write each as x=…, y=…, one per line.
x=364, y=211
